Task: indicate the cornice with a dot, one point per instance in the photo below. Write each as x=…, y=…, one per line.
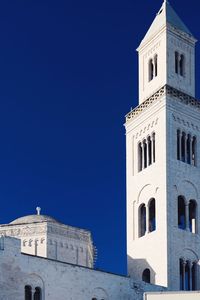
x=166, y=90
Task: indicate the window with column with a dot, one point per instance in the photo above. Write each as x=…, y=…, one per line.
x=32, y=293
x=186, y=148
x=146, y=152
x=187, y=214
x=179, y=63
x=147, y=217
x=188, y=274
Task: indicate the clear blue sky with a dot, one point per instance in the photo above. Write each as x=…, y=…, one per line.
x=68, y=75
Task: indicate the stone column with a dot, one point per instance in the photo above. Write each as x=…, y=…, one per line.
x=187, y=217
x=33, y=292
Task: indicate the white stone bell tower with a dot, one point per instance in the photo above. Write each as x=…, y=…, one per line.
x=166, y=35
x=163, y=163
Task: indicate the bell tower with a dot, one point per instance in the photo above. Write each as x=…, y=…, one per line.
x=166, y=55
x=163, y=164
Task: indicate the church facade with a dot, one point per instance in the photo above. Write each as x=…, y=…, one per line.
x=43, y=259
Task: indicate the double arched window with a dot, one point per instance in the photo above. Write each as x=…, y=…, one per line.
x=188, y=275
x=179, y=64
x=146, y=152
x=153, y=67
x=32, y=294
x=186, y=147
x=187, y=214
x=147, y=217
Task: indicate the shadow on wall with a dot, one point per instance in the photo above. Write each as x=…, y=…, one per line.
x=140, y=270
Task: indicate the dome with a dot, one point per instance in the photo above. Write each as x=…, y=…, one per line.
x=33, y=219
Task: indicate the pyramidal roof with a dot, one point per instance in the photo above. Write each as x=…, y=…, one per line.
x=166, y=15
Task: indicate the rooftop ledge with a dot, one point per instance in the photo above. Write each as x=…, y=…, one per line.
x=165, y=90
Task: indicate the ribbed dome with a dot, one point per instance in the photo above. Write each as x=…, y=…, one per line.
x=34, y=219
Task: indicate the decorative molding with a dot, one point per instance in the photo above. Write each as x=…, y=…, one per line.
x=167, y=91
x=147, y=128
x=23, y=231
x=179, y=44
x=152, y=50
x=72, y=233
x=46, y=229
x=181, y=121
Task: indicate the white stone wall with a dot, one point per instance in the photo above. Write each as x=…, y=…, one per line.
x=165, y=180
x=149, y=251
x=182, y=179
x=61, y=281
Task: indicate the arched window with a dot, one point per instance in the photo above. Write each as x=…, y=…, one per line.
x=178, y=144
x=145, y=153
x=156, y=64
x=176, y=62
x=181, y=213
x=140, y=157
x=183, y=147
x=188, y=158
x=150, y=69
x=37, y=294
x=149, y=147
x=187, y=276
x=146, y=276
x=154, y=147
x=142, y=220
x=28, y=292
x=182, y=271
x=186, y=148
x=182, y=65
x=193, y=216
x=194, y=276
x=152, y=215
